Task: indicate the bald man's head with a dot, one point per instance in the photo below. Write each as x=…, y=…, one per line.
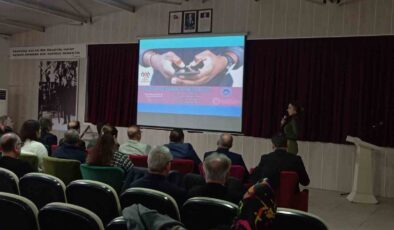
x=74, y=125
x=134, y=133
x=225, y=141
x=10, y=143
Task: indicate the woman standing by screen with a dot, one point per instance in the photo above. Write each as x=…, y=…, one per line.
x=289, y=126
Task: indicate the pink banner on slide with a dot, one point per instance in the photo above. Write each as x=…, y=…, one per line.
x=181, y=95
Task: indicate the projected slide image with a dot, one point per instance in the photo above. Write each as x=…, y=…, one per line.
x=194, y=82
x=192, y=66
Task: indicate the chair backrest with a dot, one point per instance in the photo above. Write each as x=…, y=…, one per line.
x=152, y=199
x=118, y=223
x=61, y=216
x=210, y=213
x=42, y=189
x=31, y=159
x=294, y=219
x=53, y=148
x=17, y=212
x=9, y=181
x=65, y=169
x=182, y=166
x=238, y=172
x=139, y=161
x=288, y=185
x=98, y=197
x=112, y=176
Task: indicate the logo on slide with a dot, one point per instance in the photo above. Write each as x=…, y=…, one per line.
x=226, y=92
x=145, y=75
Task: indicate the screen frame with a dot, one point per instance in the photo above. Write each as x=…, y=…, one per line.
x=188, y=128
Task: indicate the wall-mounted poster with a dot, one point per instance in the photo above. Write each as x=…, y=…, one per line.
x=58, y=92
x=205, y=21
x=190, y=21
x=175, y=22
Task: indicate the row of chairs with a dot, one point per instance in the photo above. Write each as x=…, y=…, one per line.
x=67, y=170
x=101, y=199
x=98, y=197
x=187, y=166
x=20, y=213
x=70, y=170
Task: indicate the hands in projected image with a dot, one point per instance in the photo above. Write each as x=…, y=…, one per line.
x=165, y=63
x=205, y=66
x=208, y=66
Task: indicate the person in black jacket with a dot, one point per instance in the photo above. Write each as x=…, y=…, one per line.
x=70, y=149
x=76, y=126
x=216, y=169
x=225, y=143
x=159, y=166
x=46, y=137
x=10, y=145
x=280, y=160
x=181, y=150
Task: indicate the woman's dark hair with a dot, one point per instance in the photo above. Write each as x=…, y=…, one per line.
x=103, y=152
x=110, y=130
x=45, y=124
x=297, y=107
x=29, y=130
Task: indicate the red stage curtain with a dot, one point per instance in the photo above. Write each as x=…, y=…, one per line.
x=112, y=84
x=346, y=86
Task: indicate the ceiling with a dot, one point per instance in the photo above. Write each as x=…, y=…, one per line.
x=22, y=15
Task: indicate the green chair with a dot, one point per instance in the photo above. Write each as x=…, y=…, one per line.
x=31, y=159
x=65, y=169
x=112, y=176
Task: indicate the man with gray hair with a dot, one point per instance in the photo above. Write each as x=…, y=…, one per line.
x=159, y=165
x=10, y=145
x=217, y=168
x=70, y=148
x=224, y=144
x=76, y=125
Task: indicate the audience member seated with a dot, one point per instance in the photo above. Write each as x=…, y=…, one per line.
x=225, y=143
x=104, y=154
x=109, y=129
x=257, y=208
x=76, y=126
x=216, y=169
x=29, y=134
x=46, y=137
x=70, y=148
x=99, y=128
x=159, y=165
x=133, y=146
x=11, y=147
x=6, y=125
x=181, y=150
x=280, y=160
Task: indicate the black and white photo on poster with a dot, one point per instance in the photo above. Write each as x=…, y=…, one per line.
x=190, y=21
x=58, y=92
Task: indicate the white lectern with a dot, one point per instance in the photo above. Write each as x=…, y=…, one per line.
x=362, y=190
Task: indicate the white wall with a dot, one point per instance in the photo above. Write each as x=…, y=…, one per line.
x=329, y=165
